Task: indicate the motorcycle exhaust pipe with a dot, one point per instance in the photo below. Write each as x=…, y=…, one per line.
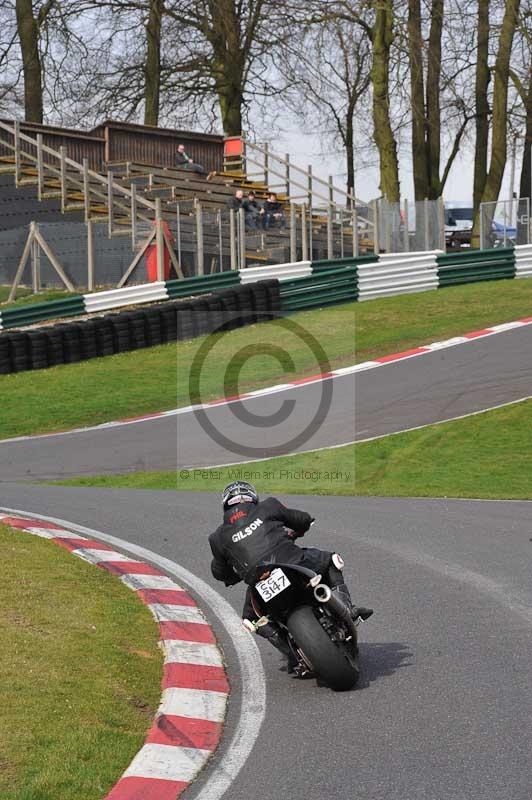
x=323, y=594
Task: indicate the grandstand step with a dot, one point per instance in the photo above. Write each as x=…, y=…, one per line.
x=28, y=182
x=121, y=232
x=75, y=207
x=51, y=195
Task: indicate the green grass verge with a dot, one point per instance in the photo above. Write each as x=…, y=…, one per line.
x=81, y=673
x=26, y=298
x=157, y=379
x=487, y=455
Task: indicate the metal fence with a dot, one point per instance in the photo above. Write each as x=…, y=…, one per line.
x=410, y=227
x=505, y=223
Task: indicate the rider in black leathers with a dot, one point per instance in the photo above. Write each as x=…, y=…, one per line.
x=253, y=532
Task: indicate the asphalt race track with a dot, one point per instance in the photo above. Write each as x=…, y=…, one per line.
x=436, y=386
x=444, y=709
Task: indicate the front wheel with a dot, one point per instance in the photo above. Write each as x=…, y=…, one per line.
x=327, y=659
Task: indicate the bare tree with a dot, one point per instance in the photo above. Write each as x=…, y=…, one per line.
x=482, y=79
x=382, y=34
x=230, y=46
x=29, y=25
x=152, y=65
x=492, y=186
x=328, y=68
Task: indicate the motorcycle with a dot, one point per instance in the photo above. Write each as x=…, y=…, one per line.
x=319, y=629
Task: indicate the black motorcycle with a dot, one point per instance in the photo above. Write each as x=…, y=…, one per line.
x=319, y=629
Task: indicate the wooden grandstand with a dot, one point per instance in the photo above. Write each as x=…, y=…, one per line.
x=123, y=176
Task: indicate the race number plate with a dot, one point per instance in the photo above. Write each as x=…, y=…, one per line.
x=275, y=584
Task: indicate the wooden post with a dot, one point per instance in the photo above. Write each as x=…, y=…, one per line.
x=35, y=259
x=310, y=232
x=309, y=185
x=110, y=200
x=16, y=136
x=171, y=253
x=331, y=190
x=133, y=212
x=178, y=228
x=242, y=226
x=287, y=174
x=40, y=168
x=159, y=241
x=53, y=260
x=341, y=212
x=62, y=157
x=293, y=232
x=330, y=248
x=90, y=256
x=354, y=227
x=304, y=238
x=232, y=237
x=86, y=189
x=136, y=260
x=220, y=241
x=22, y=263
x=199, y=239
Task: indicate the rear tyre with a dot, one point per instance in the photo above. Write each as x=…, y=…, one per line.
x=326, y=658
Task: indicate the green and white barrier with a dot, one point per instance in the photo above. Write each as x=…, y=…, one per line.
x=322, y=288
x=523, y=261
x=394, y=274
x=283, y=272
x=475, y=266
x=80, y=304
x=306, y=284
x=72, y=306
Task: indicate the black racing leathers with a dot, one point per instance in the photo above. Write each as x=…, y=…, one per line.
x=252, y=533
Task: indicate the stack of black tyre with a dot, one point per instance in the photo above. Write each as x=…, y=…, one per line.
x=121, y=332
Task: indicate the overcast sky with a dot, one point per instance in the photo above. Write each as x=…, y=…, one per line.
x=307, y=149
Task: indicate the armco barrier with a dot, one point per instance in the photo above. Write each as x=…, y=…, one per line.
x=349, y=261
x=77, y=305
x=398, y=274
x=71, y=306
x=319, y=289
x=188, y=287
x=131, y=330
x=283, y=272
x=362, y=278
x=476, y=265
x=128, y=296
x=523, y=261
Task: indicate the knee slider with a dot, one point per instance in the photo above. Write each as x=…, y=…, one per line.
x=338, y=561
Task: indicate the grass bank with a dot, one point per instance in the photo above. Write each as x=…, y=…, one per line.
x=158, y=379
x=25, y=296
x=81, y=673
x=487, y=455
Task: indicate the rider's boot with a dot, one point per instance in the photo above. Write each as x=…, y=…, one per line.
x=342, y=593
x=274, y=635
